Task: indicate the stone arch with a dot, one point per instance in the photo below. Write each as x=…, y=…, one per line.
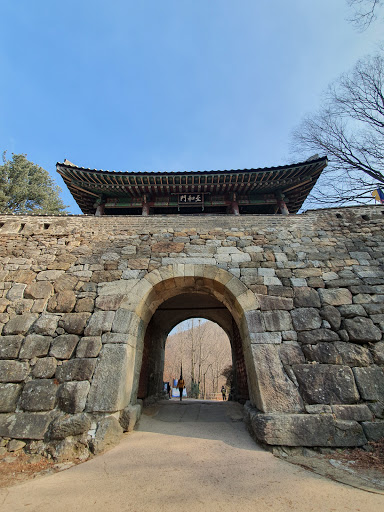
x=181, y=307
x=115, y=383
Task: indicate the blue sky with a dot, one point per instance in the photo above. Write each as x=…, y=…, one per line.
x=167, y=85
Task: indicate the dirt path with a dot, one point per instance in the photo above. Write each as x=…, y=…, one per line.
x=189, y=456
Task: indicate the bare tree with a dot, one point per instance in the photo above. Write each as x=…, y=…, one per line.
x=204, y=350
x=349, y=128
x=365, y=12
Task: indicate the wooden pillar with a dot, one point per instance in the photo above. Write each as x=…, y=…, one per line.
x=145, y=207
x=281, y=203
x=234, y=206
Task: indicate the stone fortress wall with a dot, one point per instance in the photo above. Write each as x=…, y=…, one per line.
x=78, y=292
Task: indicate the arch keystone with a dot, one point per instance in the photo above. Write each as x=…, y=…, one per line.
x=178, y=269
x=189, y=270
x=199, y=270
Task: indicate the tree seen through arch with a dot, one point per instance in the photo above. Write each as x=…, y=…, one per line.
x=203, y=349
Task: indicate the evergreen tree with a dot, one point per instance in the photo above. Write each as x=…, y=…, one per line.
x=27, y=188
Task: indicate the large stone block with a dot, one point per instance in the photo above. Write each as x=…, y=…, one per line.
x=39, y=395
x=4, y=303
x=28, y=425
x=10, y=346
x=35, y=345
x=69, y=425
x=277, y=320
x=335, y=296
x=49, y=275
x=117, y=337
x=72, y=396
x=46, y=324
x=268, y=302
x=20, y=324
x=76, y=369
x=112, y=383
x=275, y=391
x=171, y=247
x=38, y=290
x=377, y=409
x=63, y=346
x=322, y=353
x=65, y=282
x=362, y=330
x=306, y=430
x=122, y=287
x=317, y=336
x=338, y=353
x=100, y=321
x=22, y=276
x=291, y=353
x=370, y=382
x=326, y=384
x=44, y=368
x=306, y=319
x=62, y=302
x=74, y=323
x=358, y=412
x=108, y=434
x=332, y=315
x=68, y=450
x=352, y=310
x=305, y=297
x=9, y=395
x=16, y=292
x=263, y=338
x=109, y=302
x=255, y=321
x=374, y=430
x=378, y=352
x=125, y=322
x=13, y=371
x=89, y=347
x=5, y=420
x=85, y=305
x=129, y=417
x=353, y=355
x=22, y=306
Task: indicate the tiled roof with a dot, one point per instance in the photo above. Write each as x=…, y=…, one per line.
x=294, y=180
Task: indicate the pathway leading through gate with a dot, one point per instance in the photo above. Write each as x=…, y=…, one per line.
x=190, y=456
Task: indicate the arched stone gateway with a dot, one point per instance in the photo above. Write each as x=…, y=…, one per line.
x=141, y=318
x=86, y=304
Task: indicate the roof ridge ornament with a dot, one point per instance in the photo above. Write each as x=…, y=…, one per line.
x=67, y=162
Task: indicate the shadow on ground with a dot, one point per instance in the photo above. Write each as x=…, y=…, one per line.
x=211, y=420
x=223, y=421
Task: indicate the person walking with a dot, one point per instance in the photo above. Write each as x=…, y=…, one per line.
x=181, y=385
x=224, y=392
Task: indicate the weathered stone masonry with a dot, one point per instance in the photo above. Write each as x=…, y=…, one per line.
x=305, y=295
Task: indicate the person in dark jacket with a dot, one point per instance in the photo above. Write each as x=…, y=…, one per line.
x=181, y=386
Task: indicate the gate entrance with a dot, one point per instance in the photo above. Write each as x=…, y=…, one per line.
x=170, y=313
